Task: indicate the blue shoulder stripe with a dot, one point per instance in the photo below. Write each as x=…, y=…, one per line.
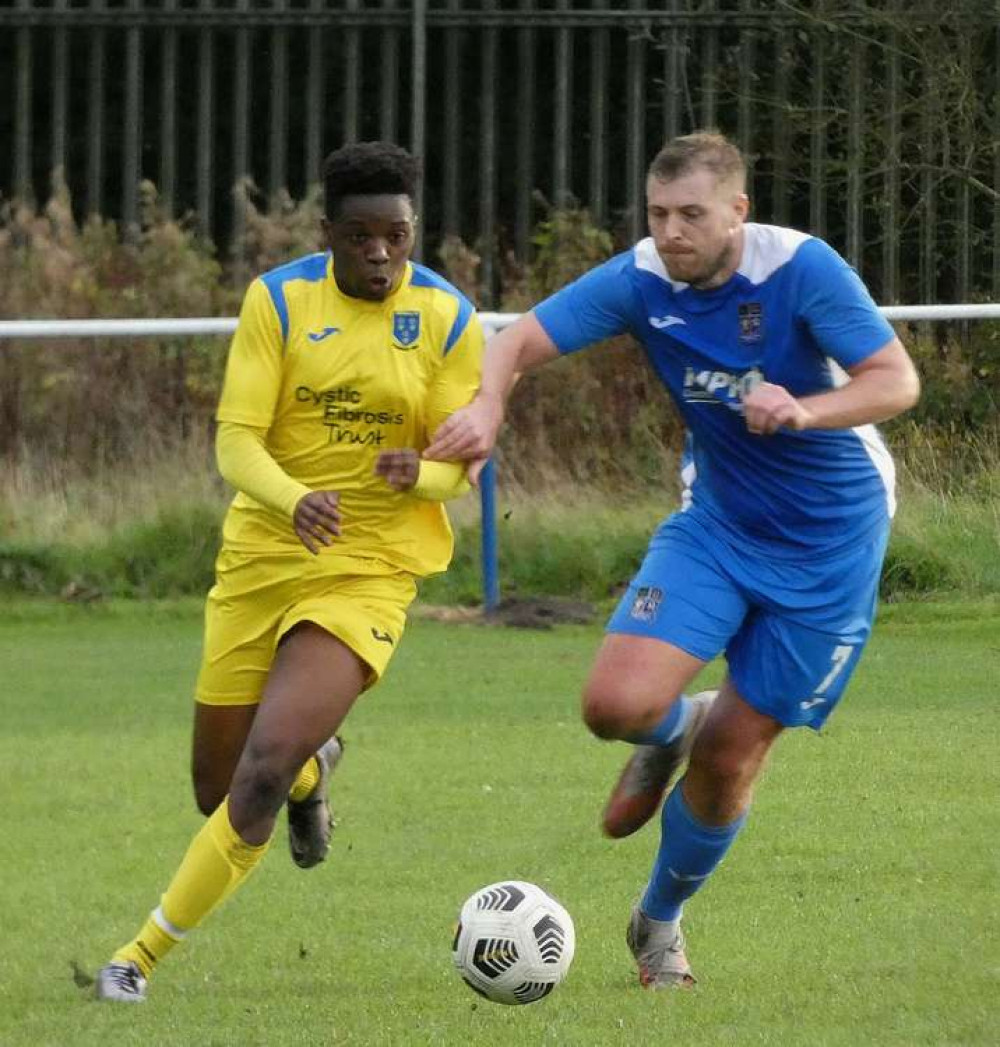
x=311, y=268
x=424, y=277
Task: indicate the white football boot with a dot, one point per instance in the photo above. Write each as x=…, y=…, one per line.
x=310, y=821
x=121, y=982
x=659, y=953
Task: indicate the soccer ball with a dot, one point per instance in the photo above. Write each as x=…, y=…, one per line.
x=514, y=942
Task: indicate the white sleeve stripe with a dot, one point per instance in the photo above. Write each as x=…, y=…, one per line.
x=882, y=460
x=840, y=376
x=648, y=259
x=766, y=248
x=689, y=473
x=872, y=442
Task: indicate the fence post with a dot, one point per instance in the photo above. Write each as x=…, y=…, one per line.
x=488, y=513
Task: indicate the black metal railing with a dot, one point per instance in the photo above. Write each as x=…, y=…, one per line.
x=875, y=124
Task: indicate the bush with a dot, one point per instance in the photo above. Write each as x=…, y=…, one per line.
x=599, y=417
x=78, y=402
x=911, y=569
x=173, y=555
x=596, y=418
x=959, y=366
x=107, y=483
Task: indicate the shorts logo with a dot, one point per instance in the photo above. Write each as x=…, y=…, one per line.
x=810, y=702
x=647, y=603
x=382, y=637
x=406, y=329
x=751, y=322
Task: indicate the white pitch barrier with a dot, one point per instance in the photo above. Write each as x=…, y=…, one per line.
x=209, y=325
x=169, y=328
x=492, y=322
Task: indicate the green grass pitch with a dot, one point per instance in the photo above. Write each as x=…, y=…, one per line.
x=859, y=907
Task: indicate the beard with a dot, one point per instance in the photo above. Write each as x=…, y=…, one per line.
x=706, y=274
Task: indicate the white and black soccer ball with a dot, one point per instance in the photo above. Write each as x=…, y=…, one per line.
x=514, y=942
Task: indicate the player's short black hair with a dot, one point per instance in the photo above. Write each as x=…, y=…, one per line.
x=707, y=149
x=368, y=169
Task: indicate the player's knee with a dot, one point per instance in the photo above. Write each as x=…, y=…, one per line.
x=610, y=712
x=266, y=772
x=599, y=712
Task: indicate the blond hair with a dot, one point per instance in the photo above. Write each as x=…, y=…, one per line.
x=702, y=149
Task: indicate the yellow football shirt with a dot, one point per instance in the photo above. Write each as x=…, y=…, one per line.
x=334, y=380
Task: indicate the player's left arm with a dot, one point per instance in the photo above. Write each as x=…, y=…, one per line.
x=453, y=386
x=878, y=388
x=845, y=323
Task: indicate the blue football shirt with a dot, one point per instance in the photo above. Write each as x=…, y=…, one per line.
x=795, y=314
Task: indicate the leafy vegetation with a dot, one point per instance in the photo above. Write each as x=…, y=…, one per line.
x=108, y=483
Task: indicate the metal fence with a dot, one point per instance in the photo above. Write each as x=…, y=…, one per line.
x=875, y=124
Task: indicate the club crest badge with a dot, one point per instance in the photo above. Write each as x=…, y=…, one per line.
x=406, y=330
x=646, y=604
x=751, y=322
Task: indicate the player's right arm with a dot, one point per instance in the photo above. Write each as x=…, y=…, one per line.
x=246, y=464
x=594, y=307
x=246, y=411
x=471, y=432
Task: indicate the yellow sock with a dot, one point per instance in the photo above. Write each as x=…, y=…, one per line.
x=307, y=780
x=149, y=946
x=216, y=863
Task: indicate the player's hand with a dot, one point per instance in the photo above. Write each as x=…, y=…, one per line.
x=767, y=408
x=317, y=519
x=399, y=467
x=475, y=469
x=468, y=435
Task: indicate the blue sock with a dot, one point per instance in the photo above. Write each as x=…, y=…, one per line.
x=689, y=851
x=672, y=724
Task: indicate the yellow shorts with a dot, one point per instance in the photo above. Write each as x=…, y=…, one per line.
x=257, y=599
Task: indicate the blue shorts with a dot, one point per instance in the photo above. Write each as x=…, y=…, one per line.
x=792, y=627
